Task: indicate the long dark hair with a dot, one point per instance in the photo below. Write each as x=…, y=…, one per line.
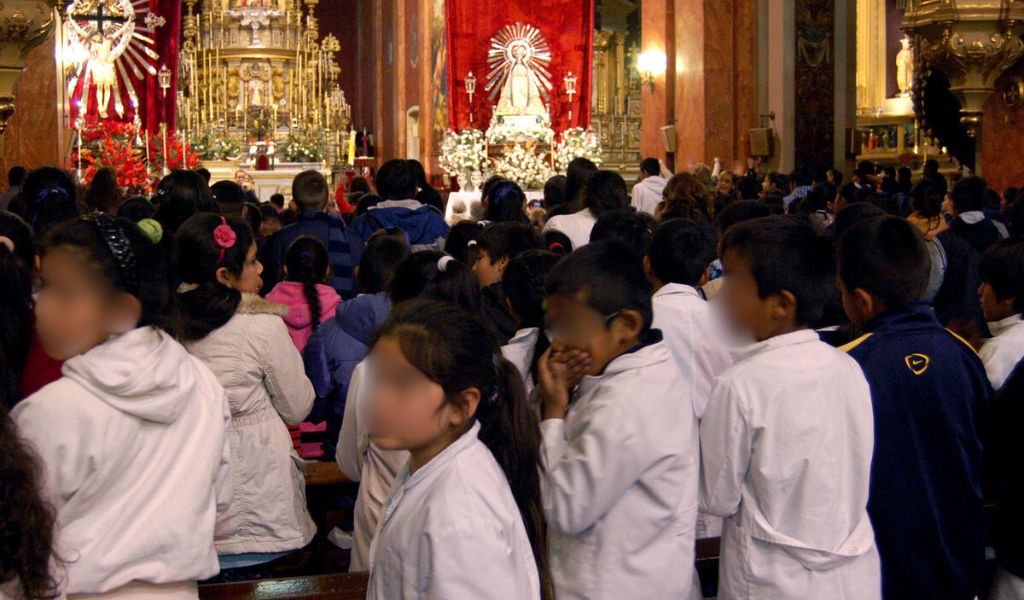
x=26, y=519
x=523, y=283
x=307, y=263
x=576, y=177
x=206, y=304
x=49, y=196
x=605, y=191
x=16, y=307
x=453, y=349
x=103, y=193
x=505, y=202
x=179, y=196
x=437, y=276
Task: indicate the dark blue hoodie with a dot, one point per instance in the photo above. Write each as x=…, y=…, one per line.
x=929, y=392
x=333, y=352
x=423, y=226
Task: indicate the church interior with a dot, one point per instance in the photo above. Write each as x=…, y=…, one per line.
x=804, y=107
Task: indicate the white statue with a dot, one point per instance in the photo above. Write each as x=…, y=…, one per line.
x=905, y=67
x=520, y=95
x=256, y=92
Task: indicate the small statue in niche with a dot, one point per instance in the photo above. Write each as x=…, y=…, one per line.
x=905, y=67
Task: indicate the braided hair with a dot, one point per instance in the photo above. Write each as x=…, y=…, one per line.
x=523, y=284
x=307, y=263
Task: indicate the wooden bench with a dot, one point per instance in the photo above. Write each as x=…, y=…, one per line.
x=336, y=586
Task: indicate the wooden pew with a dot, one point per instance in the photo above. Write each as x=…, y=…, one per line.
x=336, y=586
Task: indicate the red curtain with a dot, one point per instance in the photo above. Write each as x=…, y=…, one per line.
x=153, y=108
x=568, y=27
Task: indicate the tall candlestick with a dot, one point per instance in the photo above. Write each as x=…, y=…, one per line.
x=147, y=151
x=167, y=161
x=78, y=168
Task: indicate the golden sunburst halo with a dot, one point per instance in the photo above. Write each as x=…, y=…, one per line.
x=518, y=42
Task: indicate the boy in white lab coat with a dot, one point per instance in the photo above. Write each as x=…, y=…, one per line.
x=787, y=437
x=1002, y=301
x=620, y=484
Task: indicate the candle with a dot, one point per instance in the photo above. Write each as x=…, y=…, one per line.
x=79, y=167
x=184, y=162
x=147, y=151
x=167, y=161
x=352, y=148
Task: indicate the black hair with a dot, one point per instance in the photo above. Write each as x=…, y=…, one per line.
x=969, y=194
x=554, y=191
x=205, y=174
x=493, y=180
x=16, y=175
x=605, y=191
x=366, y=202
x=179, y=196
x=865, y=168
x=437, y=276
x=784, y=253
x=748, y=187
x=462, y=239
x=853, y=214
x=801, y=176
x=426, y=194
x=557, y=242
x=253, y=216
x=743, y=210
x=210, y=305
x=508, y=240
x=523, y=284
x=577, y=175
x=310, y=191
x=1002, y=267
x=817, y=199
x=1016, y=216
x=680, y=252
x=837, y=177
x=380, y=260
x=904, y=178
x=887, y=257
x=452, y=349
x=926, y=199
x=607, y=277
x=359, y=184
x=103, y=193
x=396, y=180
x=136, y=209
x=307, y=263
x=27, y=520
x=16, y=306
x=650, y=166
x=277, y=200
x=626, y=226
x=267, y=211
x=145, y=277
x=49, y=197
x=505, y=203
x=229, y=196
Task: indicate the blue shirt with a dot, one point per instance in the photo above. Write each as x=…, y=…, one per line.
x=344, y=246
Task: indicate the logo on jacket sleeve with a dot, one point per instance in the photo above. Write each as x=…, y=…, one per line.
x=917, y=363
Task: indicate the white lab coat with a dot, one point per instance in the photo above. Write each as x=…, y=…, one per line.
x=1004, y=350
x=696, y=337
x=360, y=460
x=576, y=226
x=133, y=446
x=519, y=352
x=786, y=446
x=452, y=531
x=647, y=194
x=620, y=488
x=255, y=360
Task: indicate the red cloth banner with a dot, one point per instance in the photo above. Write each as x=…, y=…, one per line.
x=568, y=27
x=153, y=107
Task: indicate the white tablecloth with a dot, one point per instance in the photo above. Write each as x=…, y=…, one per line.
x=467, y=200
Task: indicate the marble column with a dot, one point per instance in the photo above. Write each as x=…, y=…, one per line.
x=657, y=35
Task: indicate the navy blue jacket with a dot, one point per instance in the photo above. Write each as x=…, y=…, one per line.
x=344, y=246
x=333, y=352
x=928, y=392
x=422, y=226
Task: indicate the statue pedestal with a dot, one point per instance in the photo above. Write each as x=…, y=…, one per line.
x=900, y=105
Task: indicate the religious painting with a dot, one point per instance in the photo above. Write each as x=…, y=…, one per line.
x=439, y=74
x=815, y=83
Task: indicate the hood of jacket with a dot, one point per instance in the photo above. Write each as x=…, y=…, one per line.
x=361, y=316
x=143, y=373
x=422, y=225
x=292, y=295
x=654, y=184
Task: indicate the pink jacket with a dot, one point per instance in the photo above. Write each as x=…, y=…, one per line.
x=298, y=319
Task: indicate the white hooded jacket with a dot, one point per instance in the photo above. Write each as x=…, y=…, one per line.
x=255, y=360
x=133, y=446
x=647, y=194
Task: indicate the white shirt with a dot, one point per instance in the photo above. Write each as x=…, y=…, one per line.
x=576, y=226
x=452, y=531
x=519, y=352
x=620, y=488
x=133, y=445
x=362, y=461
x=647, y=194
x=696, y=337
x=1004, y=350
x=786, y=446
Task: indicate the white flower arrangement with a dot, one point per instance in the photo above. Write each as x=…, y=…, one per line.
x=576, y=143
x=503, y=132
x=523, y=165
x=463, y=153
x=305, y=145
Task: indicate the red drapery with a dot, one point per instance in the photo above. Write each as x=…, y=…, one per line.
x=153, y=107
x=568, y=27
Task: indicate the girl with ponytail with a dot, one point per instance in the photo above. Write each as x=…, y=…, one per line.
x=464, y=519
x=304, y=291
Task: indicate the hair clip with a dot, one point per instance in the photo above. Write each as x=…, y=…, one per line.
x=556, y=246
x=471, y=243
x=153, y=230
x=117, y=242
x=305, y=255
x=7, y=242
x=442, y=263
x=225, y=237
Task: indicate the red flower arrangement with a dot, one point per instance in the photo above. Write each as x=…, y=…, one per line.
x=174, y=151
x=113, y=145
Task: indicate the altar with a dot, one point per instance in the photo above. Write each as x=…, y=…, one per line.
x=464, y=205
x=265, y=183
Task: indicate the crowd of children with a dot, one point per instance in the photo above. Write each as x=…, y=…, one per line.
x=536, y=405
